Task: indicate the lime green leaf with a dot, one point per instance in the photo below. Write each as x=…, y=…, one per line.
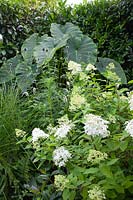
x=106, y=170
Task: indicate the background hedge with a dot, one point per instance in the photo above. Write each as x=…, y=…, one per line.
x=108, y=22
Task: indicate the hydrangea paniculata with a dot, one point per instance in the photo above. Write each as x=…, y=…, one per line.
x=129, y=127
x=96, y=126
x=96, y=157
x=74, y=67
x=96, y=194
x=37, y=133
x=130, y=101
x=76, y=100
x=61, y=156
x=90, y=67
x=60, y=182
x=65, y=125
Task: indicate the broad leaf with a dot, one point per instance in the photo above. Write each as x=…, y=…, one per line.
x=28, y=47
x=24, y=75
x=81, y=50
x=103, y=66
x=45, y=51
x=7, y=71
x=58, y=31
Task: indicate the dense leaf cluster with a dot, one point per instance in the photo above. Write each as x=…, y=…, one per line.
x=108, y=23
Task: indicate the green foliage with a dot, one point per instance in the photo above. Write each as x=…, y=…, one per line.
x=14, y=165
x=107, y=167
x=38, y=51
x=104, y=64
x=108, y=23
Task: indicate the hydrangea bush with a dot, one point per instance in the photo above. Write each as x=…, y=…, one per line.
x=87, y=154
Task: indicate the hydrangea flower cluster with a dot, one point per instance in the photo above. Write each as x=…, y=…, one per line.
x=20, y=133
x=96, y=126
x=60, y=182
x=74, y=67
x=37, y=133
x=131, y=101
x=96, y=157
x=61, y=156
x=96, y=194
x=129, y=127
x=76, y=100
x=90, y=67
x=65, y=125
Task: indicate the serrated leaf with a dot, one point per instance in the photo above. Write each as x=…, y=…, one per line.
x=106, y=170
x=91, y=170
x=113, y=161
x=81, y=50
x=102, y=66
x=7, y=71
x=28, y=47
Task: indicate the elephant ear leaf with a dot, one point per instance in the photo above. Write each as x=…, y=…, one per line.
x=45, y=51
x=81, y=50
x=106, y=64
x=7, y=71
x=24, y=75
x=58, y=31
x=28, y=46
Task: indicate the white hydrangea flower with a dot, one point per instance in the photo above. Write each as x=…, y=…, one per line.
x=74, y=67
x=90, y=67
x=96, y=157
x=60, y=182
x=20, y=133
x=62, y=131
x=76, y=101
x=61, y=156
x=130, y=101
x=65, y=125
x=96, y=194
x=1, y=38
x=129, y=127
x=96, y=126
x=37, y=133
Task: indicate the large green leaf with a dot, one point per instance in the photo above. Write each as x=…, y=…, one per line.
x=28, y=46
x=25, y=75
x=81, y=50
x=103, y=66
x=45, y=51
x=7, y=71
x=58, y=31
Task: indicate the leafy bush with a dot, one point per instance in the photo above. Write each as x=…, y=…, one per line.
x=37, y=51
x=87, y=152
x=108, y=23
